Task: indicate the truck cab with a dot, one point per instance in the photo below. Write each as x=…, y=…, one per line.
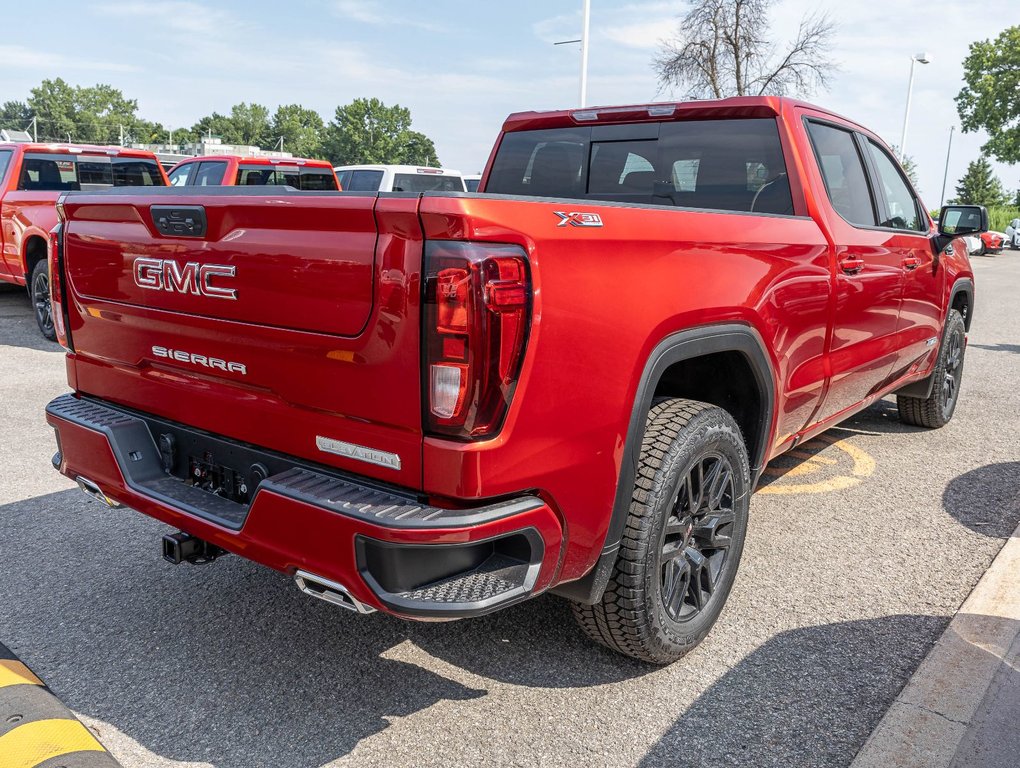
x=240, y=170
x=399, y=178
x=32, y=177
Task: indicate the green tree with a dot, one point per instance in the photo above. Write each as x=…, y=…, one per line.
x=368, y=131
x=979, y=186
x=98, y=114
x=908, y=163
x=989, y=99
x=301, y=129
x=15, y=115
x=250, y=124
x=212, y=125
x=417, y=149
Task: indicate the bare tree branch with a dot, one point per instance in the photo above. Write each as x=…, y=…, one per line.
x=724, y=48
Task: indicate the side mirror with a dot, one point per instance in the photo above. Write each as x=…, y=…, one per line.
x=957, y=220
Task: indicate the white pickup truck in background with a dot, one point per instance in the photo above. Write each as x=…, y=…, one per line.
x=398, y=178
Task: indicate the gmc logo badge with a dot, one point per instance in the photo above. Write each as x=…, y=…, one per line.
x=192, y=277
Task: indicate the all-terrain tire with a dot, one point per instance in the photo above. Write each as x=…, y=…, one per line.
x=39, y=292
x=938, y=408
x=638, y=614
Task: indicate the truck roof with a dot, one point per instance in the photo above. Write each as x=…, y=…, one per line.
x=250, y=160
x=399, y=169
x=735, y=106
x=78, y=149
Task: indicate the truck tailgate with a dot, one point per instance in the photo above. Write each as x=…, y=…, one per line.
x=286, y=320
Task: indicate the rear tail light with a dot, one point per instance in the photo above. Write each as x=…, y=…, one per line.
x=58, y=290
x=476, y=315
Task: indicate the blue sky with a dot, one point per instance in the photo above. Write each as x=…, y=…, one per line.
x=461, y=67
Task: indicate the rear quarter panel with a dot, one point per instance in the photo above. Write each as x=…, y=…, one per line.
x=603, y=298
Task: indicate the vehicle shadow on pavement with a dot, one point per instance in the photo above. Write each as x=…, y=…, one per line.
x=987, y=499
x=1014, y=348
x=17, y=322
x=881, y=417
x=231, y=654
x=787, y=703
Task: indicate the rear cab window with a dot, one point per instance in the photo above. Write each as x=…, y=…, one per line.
x=312, y=179
x=730, y=165
x=50, y=172
x=426, y=182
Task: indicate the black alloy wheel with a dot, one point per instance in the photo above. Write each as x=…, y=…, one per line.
x=952, y=371
x=696, y=537
x=937, y=408
x=40, y=293
x=683, y=536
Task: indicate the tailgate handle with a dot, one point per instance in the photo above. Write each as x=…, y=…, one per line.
x=179, y=220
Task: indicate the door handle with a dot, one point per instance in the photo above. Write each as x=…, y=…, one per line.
x=911, y=262
x=852, y=265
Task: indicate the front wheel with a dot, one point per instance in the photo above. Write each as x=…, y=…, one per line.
x=683, y=537
x=40, y=293
x=937, y=409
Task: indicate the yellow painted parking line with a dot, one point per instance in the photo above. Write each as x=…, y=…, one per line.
x=32, y=743
x=15, y=673
x=863, y=465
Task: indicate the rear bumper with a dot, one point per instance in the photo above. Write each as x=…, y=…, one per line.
x=386, y=547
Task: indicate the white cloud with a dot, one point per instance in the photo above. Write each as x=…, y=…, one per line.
x=377, y=14
x=21, y=57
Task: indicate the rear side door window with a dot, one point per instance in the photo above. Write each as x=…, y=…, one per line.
x=210, y=174
x=843, y=173
x=900, y=205
x=365, y=181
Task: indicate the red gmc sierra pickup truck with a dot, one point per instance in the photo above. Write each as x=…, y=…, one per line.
x=439, y=405
x=32, y=177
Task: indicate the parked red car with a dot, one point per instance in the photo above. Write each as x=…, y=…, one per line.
x=440, y=405
x=240, y=170
x=991, y=242
x=32, y=177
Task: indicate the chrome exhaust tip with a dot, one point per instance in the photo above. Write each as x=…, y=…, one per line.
x=330, y=591
x=93, y=491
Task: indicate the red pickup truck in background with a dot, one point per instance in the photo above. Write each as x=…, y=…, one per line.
x=440, y=405
x=32, y=177
x=243, y=171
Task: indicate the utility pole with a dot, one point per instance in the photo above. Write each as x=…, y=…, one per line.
x=122, y=135
x=945, y=175
x=35, y=128
x=280, y=144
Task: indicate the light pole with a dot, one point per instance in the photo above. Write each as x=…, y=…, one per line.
x=945, y=174
x=583, y=40
x=919, y=58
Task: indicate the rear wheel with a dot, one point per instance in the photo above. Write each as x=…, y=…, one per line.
x=937, y=409
x=39, y=288
x=683, y=538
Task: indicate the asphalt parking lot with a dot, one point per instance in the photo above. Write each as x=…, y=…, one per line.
x=862, y=545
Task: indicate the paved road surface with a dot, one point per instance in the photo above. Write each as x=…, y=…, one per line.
x=860, y=550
